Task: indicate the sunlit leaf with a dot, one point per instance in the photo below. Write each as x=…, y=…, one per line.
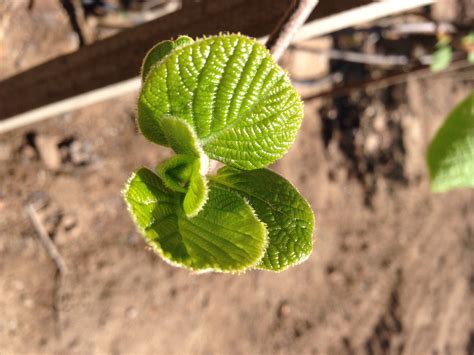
x=468, y=44
x=451, y=153
x=288, y=217
x=441, y=58
x=238, y=101
x=161, y=50
x=225, y=236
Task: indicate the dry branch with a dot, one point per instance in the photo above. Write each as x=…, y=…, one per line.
x=291, y=22
x=46, y=240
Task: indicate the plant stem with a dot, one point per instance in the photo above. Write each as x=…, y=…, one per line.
x=46, y=240
x=294, y=18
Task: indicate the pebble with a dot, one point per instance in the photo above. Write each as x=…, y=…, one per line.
x=283, y=309
x=131, y=312
x=80, y=153
x=69, y=222
x=48, y=151
x=5, y=151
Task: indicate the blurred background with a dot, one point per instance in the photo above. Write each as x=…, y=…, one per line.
x=393, y=267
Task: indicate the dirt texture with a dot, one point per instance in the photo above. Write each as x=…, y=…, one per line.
x=392, y=271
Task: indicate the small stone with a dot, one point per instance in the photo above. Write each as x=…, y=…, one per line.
x=12, y=325
x=69, y=222
x=80, y=153
x=29, y=303
x=131, y=312
x=5, y=151
x=283, y=310
x=380, y=124
x=28, y=152
x=48, y=151
x=371, y=144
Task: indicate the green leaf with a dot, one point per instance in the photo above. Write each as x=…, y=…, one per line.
x=238, y=101
x=161, y=50
x=180, y=136
x=225, y=236
x=176, y=172
x=470, y=57
x=182, y=173
x=182, y=139
x=468, y=44
x=451, y=153
x=288, y=217
x=197, y=194
x=441, y=58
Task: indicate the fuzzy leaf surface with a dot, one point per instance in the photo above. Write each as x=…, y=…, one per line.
x=180, y=136
x=451, y=153
x=238, y=101
x=287, y=215
x=176, y=172
x=225, y=236
x=197, y=194
x=161, y=50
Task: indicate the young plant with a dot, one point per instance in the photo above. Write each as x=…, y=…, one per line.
x=221, y=98
x=443, y=55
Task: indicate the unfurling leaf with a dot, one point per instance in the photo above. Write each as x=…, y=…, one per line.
x=197, y=194
x=238, y=101
x=451, y=153
x=182, y=173
x=287, y=216
x=225, y=236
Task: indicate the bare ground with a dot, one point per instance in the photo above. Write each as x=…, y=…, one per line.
x=393, y=276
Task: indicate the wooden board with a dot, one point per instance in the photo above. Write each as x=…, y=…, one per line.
x=119, y=57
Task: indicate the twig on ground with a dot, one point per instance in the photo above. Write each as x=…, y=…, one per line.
x=331, y=78
x=286, y=29
x=419, y=72
x=59, y=262
x=46, y=240
x=71, y=12
x=357, y=57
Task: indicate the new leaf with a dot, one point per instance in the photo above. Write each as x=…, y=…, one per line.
x=225, y=236
x=287, y=216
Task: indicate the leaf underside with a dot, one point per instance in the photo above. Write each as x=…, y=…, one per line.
x=451, y=153
x=225, y=236
x=287, y=216
x=239, y=102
